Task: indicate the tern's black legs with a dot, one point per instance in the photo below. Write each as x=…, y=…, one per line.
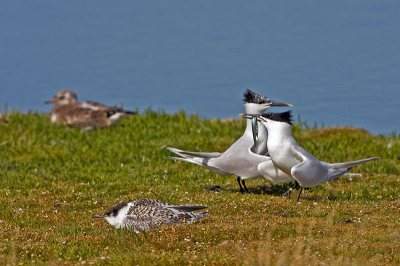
x=298, y=195
x=245, y=190
x=240, y=185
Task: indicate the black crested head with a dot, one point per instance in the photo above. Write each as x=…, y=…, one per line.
x=251, y=97
x=113, y=210
x=280, y=117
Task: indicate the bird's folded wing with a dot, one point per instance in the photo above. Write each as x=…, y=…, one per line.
x=142, y=223
x=94, y=105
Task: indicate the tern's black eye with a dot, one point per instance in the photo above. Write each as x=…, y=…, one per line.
x=62, y=97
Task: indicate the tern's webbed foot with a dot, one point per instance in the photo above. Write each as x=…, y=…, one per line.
x=287, y=193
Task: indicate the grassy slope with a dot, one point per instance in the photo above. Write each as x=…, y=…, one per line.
x=343, y=222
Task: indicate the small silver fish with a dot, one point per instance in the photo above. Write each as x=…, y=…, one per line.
x=254, y=126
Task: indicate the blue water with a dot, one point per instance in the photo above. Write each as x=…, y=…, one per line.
x=337, y=62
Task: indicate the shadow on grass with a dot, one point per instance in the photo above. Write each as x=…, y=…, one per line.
x=274, y=190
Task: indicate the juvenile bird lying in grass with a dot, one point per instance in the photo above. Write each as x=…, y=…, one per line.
x=89, y=115
x=145, y=214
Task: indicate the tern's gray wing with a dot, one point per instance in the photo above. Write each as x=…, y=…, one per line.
x=243, y=164
x=201, y=162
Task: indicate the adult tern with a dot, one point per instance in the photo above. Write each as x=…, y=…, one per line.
x=287, y=155
x=241, y=158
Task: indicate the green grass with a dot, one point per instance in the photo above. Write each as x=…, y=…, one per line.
x=344, y=222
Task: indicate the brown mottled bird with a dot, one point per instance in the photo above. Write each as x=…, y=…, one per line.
x=146, y=214
x=89, y=115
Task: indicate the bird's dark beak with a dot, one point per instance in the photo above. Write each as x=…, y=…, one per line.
x=99, y=216
x=51, y=101
x=279, y=104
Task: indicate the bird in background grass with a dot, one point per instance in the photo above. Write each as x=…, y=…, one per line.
x=287, y=156
x=146, y=214
x=89, y=115
x=239, y=158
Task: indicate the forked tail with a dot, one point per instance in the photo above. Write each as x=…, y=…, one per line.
x=190, y=154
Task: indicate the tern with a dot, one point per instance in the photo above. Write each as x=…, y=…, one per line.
x=287, y=156
x=243, y=157
x=89, y=115
x=146, y=214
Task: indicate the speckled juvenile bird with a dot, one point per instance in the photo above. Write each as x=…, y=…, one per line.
x=90, y=115
x=145, y=214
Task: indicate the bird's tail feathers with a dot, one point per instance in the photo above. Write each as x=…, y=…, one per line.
x=190, y=154
x=187, y=208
